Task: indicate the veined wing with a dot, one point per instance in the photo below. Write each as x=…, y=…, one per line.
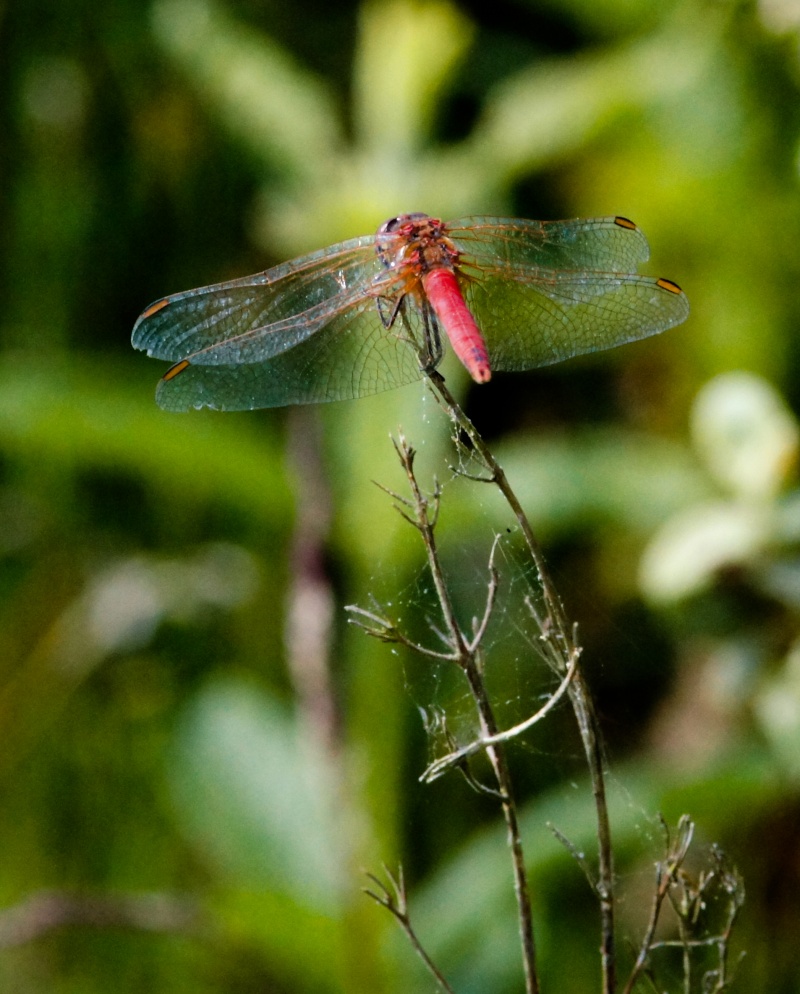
x=603, y=244
x=351, y=356
x=532, y=319
x=253, y=318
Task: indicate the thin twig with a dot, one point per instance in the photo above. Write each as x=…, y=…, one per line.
x=692, y=901
x=666, y=872
x=395, y=900
x=442, y=765
x=577, y=855
x=387, y=631
x=468, y=653
x=561, y=635
x=491, y=599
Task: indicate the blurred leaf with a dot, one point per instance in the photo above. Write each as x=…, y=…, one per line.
x=747, y=437
x=607, y=17
x=686, y=553
x=303, y=946
x=745, y=433
x=257, y=797
x=118, y=611
x=603, y=475
x=777, y=707
x=86, y=412
x=260, y=93
x=432, y=36
x=545, y=112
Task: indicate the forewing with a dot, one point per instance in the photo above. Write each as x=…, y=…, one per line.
x=352, y=356
x=253, y=318
x=603, y=244
x=529, y=323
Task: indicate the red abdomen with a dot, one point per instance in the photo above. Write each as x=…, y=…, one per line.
x=453, y=315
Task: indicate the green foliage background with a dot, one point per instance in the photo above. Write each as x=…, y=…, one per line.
x=156, y=747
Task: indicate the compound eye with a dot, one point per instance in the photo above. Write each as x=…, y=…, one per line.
x=390, y=226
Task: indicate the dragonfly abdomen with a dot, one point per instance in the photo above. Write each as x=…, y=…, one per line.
x=444, y=294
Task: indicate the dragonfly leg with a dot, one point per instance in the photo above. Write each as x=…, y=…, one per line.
x=393, y=314
x=430, y=355
x=388, y=309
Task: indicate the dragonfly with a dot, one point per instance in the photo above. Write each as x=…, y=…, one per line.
x=375, y=312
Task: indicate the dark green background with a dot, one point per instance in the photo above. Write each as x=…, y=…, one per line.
x=155, y=746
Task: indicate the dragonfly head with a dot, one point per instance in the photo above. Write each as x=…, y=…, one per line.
x=403, y=238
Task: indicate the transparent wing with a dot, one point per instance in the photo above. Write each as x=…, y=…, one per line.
x=310, y=330
x=352, y=356
x=253, y=318
x=604, y=244
x=535, y=319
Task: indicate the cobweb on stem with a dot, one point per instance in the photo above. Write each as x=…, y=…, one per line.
x=463, y=647
x=480, y=559
x=497, y=603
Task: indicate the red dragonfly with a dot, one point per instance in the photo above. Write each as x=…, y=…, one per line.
x=366, y=315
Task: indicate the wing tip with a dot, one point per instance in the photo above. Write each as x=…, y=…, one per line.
x=681, y=306
x=139, y=340
x=175, y=370
x=167, y=399
x=670, y=285
x=153, y=308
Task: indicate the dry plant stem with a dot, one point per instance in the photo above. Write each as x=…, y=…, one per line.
x=395, y=900
x=691, y=902
x=724, y=939
x=467, y=655
x=690, y=899
x=666, y=873
x=560, y=636
x=604, y=885
x=445, y=763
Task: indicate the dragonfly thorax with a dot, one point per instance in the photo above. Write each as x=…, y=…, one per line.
x=415, y=244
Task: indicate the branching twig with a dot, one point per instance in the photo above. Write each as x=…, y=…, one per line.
x=387, y=631
x=466, y=653
x=666, y=874
x=692, y=902
x=577, y=855
x=442, y=765
x=479, y=630
x=560, y=637
x=561, y=650
x=395, y=900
